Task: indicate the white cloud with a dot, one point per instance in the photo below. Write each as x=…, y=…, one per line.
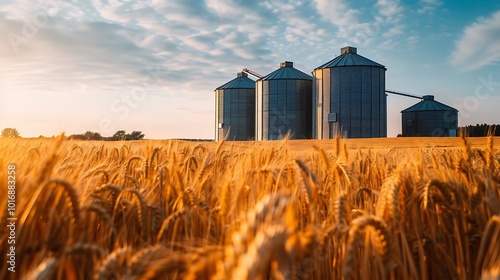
x=389, y=22
x=395, y=30
x=390, y=9
x=412, y=40
x=479, y=44
x=115, y=51
x=428, y=6
x=64, y=52
x=362, y=30
x=337, y=12
x=346, y=19
x=92, y=39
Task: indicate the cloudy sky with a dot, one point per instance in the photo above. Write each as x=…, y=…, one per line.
x=105, y=65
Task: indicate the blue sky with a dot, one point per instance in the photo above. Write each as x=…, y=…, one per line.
x=105, y=65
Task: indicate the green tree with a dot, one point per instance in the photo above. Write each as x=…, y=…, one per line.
x=93, y=135
x=119, y=135
x=10, y=133
x=136, y=135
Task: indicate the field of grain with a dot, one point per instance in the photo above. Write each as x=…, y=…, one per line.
x=405, y=208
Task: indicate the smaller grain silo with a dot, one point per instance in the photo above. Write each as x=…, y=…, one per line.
x=284, y=104
x=235, y=109
x=429, y=118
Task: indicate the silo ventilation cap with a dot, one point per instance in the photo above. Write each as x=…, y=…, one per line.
x=241, y=74
x=286, y=64
x=428, y=97
x=348, y=49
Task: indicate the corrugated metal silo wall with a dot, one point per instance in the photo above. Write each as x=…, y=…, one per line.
x=236, y=111
x=219, y=112
x=356, y=94
x=283, y=106
x=429, y=123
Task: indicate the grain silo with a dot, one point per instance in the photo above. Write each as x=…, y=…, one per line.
x=349, y=97
x=430, y=118
x=235, y=109
x=284, y=104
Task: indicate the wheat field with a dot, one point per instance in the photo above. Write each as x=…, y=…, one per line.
x=337, y=209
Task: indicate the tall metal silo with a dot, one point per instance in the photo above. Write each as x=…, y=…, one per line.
x=349, y=97
x=235, y=109
x=430, y=118
x=284, y=104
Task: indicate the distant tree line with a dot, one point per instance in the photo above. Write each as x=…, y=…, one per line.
x=480, y=130
x=120, y=135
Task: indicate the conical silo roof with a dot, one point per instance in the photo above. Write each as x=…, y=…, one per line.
x=429, y=104
x=349, y=57
x=286, y=71
x=241, y=81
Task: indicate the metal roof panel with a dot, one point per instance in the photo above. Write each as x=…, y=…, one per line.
x=350, y=59
x=239, y=82
x=287, y=73
x=429, y=105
